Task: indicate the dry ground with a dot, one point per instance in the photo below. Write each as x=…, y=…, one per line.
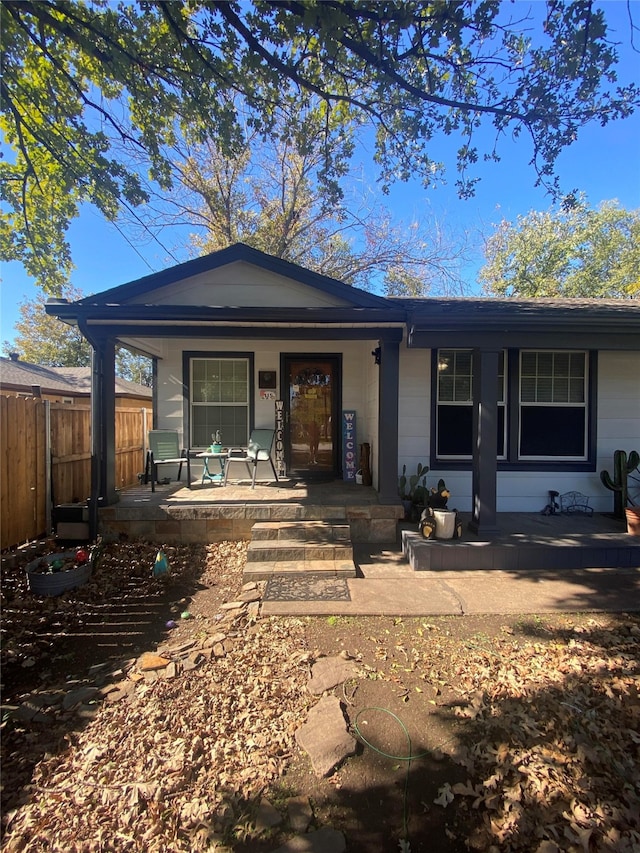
x=489, y=734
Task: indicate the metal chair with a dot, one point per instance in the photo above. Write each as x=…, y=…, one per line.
x=258, y=450
x=164, y=449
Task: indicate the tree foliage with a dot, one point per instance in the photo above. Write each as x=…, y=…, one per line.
x=87, y=86
x=273, y=196
x=42, y=339
x=577, y=251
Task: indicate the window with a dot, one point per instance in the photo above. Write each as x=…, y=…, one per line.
x=220, y=392
x=553, y=405
x=546, y=410
x=454, y=410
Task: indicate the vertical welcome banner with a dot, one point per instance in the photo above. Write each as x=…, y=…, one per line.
x=349, y=461
x=280, y=466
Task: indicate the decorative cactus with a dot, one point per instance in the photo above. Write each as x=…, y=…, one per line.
x=407, y=485
x=622, y=466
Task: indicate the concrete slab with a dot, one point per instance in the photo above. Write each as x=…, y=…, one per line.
x=466, y=593
x=409, y=596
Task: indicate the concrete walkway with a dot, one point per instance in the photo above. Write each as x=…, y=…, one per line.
x=389, y=587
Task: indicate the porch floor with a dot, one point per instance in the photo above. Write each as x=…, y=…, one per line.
x=240, y=492
x=529, y=541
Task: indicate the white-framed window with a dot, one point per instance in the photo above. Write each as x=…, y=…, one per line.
x=454, y=409
x=219, y=395
x=553, y=405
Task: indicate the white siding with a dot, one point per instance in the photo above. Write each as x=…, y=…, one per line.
x=618, y=416
x=241, y=285
x=413, y=408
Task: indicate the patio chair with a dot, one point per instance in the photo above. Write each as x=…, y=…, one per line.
x=164, y=449
x=258, y=450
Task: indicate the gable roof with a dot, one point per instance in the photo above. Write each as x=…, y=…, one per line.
x=71, y=381
x=239, y=252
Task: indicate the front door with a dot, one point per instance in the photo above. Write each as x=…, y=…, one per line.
x=311, y=395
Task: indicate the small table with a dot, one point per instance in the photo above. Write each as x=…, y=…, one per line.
x=206, y=473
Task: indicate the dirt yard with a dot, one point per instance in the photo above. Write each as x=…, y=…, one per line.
x=485, y=734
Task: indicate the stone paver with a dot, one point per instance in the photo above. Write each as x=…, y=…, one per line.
x=325, y=737
x=267, y=816
x=300, y=813
x=330, y=671
x=325, y=840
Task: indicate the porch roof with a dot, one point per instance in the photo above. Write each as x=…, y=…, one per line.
x=590, y=323
x=207, y=315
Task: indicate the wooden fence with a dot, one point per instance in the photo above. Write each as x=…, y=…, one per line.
x=45, y=460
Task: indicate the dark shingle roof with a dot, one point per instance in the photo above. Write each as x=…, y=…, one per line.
x=61, y=380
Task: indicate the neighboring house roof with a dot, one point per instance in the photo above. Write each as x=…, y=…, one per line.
x=68, y=381
x=21, y=374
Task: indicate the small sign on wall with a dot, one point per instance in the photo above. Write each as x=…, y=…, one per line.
x=267, y=379
x=349, y=461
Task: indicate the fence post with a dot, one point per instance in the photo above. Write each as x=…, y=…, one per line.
x=47, y=467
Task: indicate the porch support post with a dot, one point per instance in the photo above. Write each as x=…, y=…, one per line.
x=388, y=422
x=103, y=423
x=485, y=440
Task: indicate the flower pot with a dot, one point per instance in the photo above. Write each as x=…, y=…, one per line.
x=445, y=523
x=44, y=583
x=633, y=520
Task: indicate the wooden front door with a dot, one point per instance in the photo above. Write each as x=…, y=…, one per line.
x=312, y=396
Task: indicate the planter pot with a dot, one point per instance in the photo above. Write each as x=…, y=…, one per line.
x=43, y=583
x=633, y=520
x=445, y=523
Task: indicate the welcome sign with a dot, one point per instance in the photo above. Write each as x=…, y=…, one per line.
x=349, y=461
x=280, y=466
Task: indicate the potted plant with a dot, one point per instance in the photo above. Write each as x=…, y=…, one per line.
x=408, y=486
x=216, y=438
x=623, y=504
x=56, y=573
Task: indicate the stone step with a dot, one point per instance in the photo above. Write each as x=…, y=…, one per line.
x=261, y=571
x=318, y=531
x=298, y=550
x=304, y=548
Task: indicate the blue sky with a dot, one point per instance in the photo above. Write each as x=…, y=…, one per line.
x=604, y=163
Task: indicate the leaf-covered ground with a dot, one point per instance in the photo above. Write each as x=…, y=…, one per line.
x=489, y=734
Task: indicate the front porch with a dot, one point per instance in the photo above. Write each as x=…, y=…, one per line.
x=213, y=513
